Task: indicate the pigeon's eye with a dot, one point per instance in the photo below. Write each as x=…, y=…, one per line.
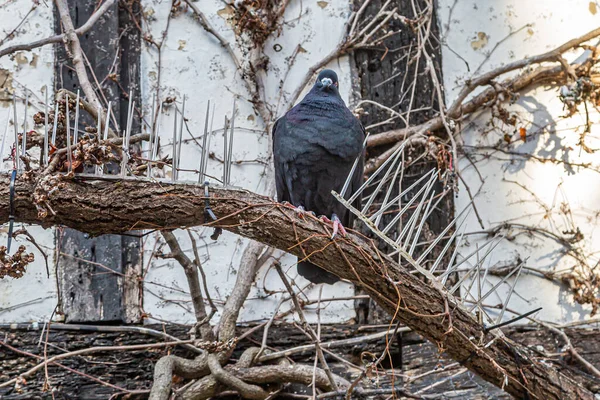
x=335, y=84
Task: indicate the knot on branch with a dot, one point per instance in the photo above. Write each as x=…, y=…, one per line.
x=217, y=346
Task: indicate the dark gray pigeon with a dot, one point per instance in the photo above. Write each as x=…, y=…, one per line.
x=315, y=145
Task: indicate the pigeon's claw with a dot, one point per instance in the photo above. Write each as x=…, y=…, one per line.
x=300, y=212
x=337, y=225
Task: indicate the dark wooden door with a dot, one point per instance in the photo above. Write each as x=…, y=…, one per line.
x=98, y=277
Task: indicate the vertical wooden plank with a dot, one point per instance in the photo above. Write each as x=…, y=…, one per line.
x=98, y=276
x=388, y=63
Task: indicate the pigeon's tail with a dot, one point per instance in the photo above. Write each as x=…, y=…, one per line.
x=316, y=274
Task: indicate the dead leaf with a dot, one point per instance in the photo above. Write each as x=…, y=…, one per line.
x=593, y=7
x=225, y=12
x=507, y=138
x=182, y=44
x=480, y=42
x=322, y=4
x=523, y=134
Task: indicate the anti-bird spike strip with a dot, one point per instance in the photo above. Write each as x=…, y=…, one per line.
x=174, y=157
x=423, y=201
x=45, y=129
x=230, y=151
x=55, y=125
x=69, y=155
x=76, y=127
x=16, y=124
x=180, y=138
x=4, y=138
x=24, y=137
x=201, y=166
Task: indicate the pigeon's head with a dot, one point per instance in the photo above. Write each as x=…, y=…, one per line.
x=327, y=81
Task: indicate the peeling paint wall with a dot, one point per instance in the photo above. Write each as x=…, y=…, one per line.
x=483, y=34
x=33, y=297
x=486, y=35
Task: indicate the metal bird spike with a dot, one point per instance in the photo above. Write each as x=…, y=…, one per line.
x=206, y=150
x=98, y=131
x=230, y=151
x=55, y=125
x=174, y=158
x=151, y=142
x=24, y=137
x=17, y=160
x=204, y=137
x=45, y=129
x=156, y=135
x=4, y=138
x=76, y=127
x=69, y=155
x=225, y=153
x=351, y=174
x=98, y=122
x=180, y=138
x=100, y=168
x=126, y=136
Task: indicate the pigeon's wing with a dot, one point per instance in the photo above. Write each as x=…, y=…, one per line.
x=280, y=185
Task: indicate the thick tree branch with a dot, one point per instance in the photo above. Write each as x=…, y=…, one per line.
x=106, y=206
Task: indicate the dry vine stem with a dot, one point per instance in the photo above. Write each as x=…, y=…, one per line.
x=102, y=206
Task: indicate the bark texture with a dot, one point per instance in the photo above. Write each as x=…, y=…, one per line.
x=99, y=207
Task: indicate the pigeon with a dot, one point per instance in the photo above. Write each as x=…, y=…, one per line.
x=315, y=145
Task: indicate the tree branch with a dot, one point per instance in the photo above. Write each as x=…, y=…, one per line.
x=459, y=109
x=102, y=206
x=74, y=51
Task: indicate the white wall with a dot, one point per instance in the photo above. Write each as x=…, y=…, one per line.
x=33, y=297
x=472, y=29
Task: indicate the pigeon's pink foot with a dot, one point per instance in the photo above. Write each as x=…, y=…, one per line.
x=300, y=212
x=337, y=225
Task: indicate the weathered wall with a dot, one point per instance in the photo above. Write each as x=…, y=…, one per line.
x=486, y=35
x=34, y=297
x=195, y=65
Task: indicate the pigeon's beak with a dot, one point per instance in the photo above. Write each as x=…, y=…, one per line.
x=326, y=82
